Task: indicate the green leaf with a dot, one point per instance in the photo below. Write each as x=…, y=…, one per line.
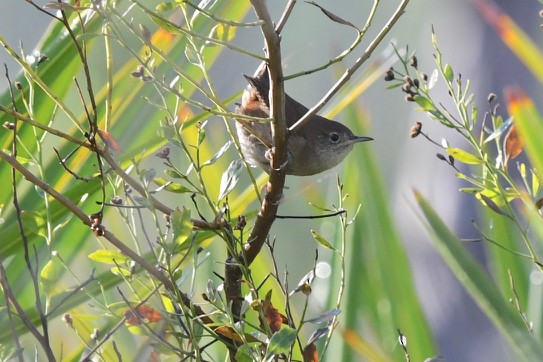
x=121, y=271
x=230, y=178
x=464, y=156
x=109, y=257
x=171, y=186
x=166, y=6
x=219, y=153
x=173, y=174
x=193, y=58
x=448, y=73
x=424, y=102
x=49, y=277
x=483, y=290
x=281, y=342
x=243, y=354
x=181, y=225
x=322, y=241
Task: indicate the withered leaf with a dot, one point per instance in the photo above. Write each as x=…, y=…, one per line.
x=512, y=144
x=231, y=333
x=310, y=353
x=142, y=313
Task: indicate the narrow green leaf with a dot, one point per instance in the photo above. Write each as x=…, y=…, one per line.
x=448, y=73
x=424, y=102
x=171, y=186
x=322, y=241
x=230, y=178
x=109, y=257
x=463, y=156
x=483, y=290
x=181, y=225
x=49, y=277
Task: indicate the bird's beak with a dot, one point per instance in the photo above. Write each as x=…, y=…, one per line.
x=361, y=139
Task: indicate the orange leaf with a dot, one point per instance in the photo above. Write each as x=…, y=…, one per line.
x=109, y=140
x=274, y=318
x=145, y=314
x=231, y=333
x=512, y=144
x=310, y=353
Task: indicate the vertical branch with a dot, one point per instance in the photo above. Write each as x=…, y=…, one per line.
x=274, y=188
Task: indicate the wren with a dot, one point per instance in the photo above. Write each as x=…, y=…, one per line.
x=317, y=146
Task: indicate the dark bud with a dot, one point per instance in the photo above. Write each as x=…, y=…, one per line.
x=491, y=97
x=116, y=200
x=163, y=153
x=98, y=230
x=18, y=85
x=424, y=77
x=96, y=218
x=541, y=13
x=407, y=79
x=451, y=160
x=416, y=83
x=539, y=204
x=242, y=222
x=9, y=125
x=416, y=129
x=414, y=61
x=42, y=58
x=389, y=75
x=441, y=157
x=67, y=318
x=409, y=98
x=406, y=88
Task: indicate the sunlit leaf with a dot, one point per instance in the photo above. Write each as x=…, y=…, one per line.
x=109, y=257
x=464, y=156
x=322, y=241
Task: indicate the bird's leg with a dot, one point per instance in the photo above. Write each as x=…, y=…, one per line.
x=269, y=155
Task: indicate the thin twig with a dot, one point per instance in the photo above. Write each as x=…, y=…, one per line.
x=349, y=72
x=67, y=203
x=339, y=212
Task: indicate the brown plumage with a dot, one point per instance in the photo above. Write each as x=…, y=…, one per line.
x=318, y=146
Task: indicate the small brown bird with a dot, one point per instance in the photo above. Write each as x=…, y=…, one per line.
x=318, y=146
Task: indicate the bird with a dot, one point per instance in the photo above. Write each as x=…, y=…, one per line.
x=317, y=146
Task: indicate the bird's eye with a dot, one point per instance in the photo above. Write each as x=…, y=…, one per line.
x=334, y=137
